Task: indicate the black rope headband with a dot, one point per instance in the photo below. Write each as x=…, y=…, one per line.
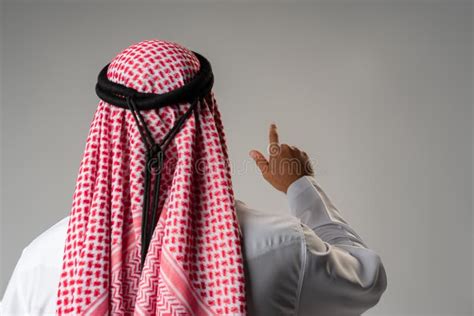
x=198, y=87
x=122, y=96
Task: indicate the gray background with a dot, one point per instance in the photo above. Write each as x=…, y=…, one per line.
x=379, y=93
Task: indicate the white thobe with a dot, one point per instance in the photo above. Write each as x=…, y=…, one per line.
x=306, y=262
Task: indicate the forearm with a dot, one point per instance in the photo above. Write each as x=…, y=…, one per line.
x=312, y=206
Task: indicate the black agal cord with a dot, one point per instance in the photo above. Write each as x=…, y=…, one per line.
x=119, y=95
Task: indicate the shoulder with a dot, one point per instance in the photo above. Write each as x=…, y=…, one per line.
x=33, y=283
x=264, y=231
x=47, y=248
x=272, y=245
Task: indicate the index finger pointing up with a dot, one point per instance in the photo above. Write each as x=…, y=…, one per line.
x=273, y=135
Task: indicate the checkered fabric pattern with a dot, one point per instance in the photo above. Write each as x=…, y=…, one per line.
x=194, y=264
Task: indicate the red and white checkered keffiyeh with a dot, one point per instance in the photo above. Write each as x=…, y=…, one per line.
x=194, y=264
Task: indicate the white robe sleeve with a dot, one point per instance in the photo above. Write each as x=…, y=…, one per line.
x=342, y=276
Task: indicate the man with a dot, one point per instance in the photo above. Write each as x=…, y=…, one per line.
x=308, y=262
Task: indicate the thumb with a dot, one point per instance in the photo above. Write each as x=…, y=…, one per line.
x=260, y=160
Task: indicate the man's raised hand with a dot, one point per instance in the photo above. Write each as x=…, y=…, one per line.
x=285, y=163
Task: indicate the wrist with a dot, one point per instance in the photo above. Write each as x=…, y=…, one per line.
x=295, y=186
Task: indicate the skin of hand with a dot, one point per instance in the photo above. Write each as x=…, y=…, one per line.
x=285, y=163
